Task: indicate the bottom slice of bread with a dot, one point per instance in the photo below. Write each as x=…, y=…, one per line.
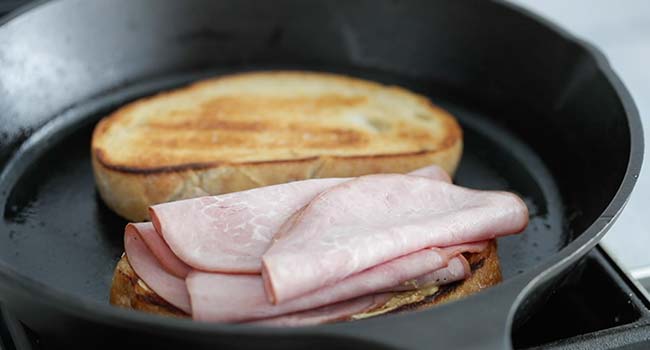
x=129, y=291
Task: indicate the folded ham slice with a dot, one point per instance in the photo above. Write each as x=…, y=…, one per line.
x=373, y=219
x=230, y=232
x=432, y=172
x=174, y=290
x=221, y=297
x=159, y=248
x=329, y=313
x=147, y=267
x=458, y=269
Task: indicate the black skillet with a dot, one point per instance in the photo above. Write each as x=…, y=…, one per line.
x=543, y=115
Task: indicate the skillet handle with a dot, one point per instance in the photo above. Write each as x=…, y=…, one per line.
x=481, y=321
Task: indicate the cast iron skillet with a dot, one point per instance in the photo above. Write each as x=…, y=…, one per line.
x=543, y=116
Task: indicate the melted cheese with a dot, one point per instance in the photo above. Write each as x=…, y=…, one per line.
x=399, y=300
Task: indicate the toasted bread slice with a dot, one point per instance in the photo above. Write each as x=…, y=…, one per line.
x=255, y=129
x=129, y=291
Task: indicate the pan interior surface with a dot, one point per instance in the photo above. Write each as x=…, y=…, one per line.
x=57, y=231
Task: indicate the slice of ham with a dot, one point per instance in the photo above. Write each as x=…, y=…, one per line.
x=147, y=267
x=373, y=219
x=220, y=297
x=458, y=269
x=159, y=248
x=432, y=172
x=330, y=313
x=230, y=232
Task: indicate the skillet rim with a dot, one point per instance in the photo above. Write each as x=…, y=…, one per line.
x=107, y=314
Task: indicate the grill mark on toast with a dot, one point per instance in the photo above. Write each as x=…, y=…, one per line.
x=477, y=264
x=203, y=114
x=228, y=105
x=210, y=125
x=99, y=155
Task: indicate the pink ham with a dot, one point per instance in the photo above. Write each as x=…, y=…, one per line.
x=221, y=297
x=146, y=266
x=432, y=172
x=326, y=314
x=230, y=232
x=458, y=269
x=372, y=219
x=224, y=297
x=159, y=248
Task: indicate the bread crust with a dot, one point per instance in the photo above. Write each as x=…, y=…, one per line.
x=130, y=194
x=130, y=183
x=129, y=291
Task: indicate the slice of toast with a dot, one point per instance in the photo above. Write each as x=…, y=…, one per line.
x=129, y=291
x=249, y=130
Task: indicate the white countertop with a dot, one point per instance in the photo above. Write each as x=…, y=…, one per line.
x=621, y=29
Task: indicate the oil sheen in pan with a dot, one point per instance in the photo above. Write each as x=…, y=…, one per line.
x=51, y=209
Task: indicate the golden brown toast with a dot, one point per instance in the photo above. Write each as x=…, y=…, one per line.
x=249, y=130
x=129, y=291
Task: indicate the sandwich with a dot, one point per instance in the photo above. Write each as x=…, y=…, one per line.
x=234, y=174
x=129, y=291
